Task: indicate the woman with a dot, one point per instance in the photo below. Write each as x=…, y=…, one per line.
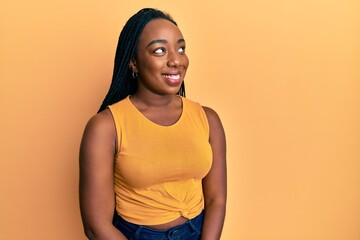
x=154, y=156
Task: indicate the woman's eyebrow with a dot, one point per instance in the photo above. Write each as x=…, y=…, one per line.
x=156, y=41
x=181, y=40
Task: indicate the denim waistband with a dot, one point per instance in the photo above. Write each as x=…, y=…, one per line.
x=191, y=229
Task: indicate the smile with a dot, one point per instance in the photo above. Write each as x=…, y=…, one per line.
x=173, y=77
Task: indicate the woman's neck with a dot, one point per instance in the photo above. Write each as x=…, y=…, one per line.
x=153, y=100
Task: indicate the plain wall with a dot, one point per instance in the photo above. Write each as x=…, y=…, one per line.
x=284, y=76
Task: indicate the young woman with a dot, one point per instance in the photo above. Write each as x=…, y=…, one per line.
x=152, y=163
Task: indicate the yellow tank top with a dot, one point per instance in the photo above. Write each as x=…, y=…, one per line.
x=159, y=169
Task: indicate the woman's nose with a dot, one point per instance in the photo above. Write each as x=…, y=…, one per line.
x=174, y=60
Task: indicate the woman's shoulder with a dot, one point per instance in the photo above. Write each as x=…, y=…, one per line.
x=100, y=123
x=210, y=113
x=212, y=116
x=120, y=104
x=191, y=103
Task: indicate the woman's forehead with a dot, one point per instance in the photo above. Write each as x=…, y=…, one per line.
x=160, y=28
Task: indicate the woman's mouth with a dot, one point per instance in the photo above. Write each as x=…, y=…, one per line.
x=173, y=79
x=172, y=76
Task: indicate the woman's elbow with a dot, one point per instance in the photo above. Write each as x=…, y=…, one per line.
x=89, y=233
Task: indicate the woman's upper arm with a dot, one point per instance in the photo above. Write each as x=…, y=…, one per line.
x=214, y=184
x=97, y=201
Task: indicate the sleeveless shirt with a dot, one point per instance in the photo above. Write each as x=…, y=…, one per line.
x=159, y=169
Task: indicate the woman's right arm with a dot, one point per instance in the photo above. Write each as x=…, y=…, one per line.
x=97, y=198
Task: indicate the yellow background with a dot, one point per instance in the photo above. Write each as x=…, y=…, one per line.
x=284, y=75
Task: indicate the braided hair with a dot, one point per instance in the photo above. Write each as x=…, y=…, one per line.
x=123, y=84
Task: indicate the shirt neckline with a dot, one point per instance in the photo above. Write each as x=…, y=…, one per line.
x=138, y=112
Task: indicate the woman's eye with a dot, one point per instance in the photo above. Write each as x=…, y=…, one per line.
x=159, y=50
x=181, y=50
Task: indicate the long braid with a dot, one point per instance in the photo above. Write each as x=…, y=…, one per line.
x=122, y=83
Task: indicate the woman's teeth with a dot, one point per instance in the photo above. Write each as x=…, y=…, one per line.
x=175, y=77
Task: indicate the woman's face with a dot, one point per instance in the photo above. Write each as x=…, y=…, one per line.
x=160, y=62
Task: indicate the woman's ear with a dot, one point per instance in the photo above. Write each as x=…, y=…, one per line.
x=132, y=65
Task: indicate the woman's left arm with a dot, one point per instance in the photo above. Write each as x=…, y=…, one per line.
x=214, y=184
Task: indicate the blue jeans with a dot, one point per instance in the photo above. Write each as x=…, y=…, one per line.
x=190, y=230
